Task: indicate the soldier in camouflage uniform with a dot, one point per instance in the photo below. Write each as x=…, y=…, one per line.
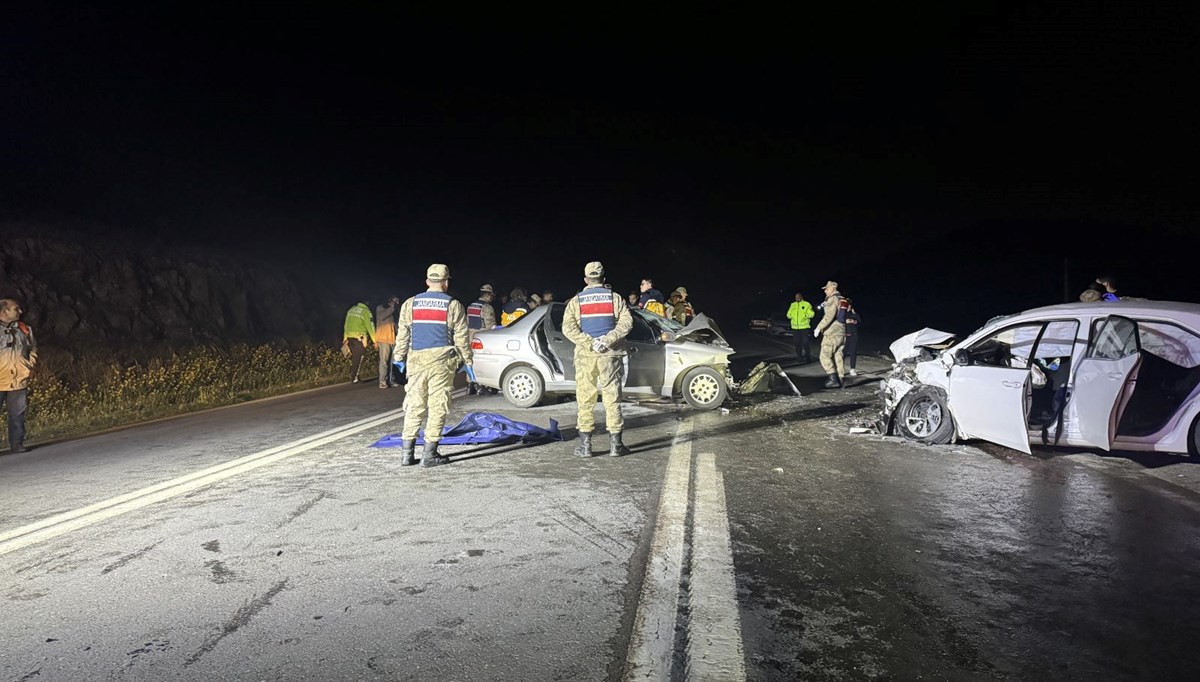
x=832, y=332
x=481, y=315
x=597, y=322
x=432, y=336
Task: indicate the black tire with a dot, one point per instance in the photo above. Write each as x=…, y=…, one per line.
x=523, y=386
x=704, y=388
x=1194, y=438
x=923, y=416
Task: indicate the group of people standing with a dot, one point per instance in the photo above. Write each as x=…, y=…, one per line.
x=837, y=329
x=430, y=340
x=676, y=307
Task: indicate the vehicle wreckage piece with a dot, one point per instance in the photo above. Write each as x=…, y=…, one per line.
x=764, y=378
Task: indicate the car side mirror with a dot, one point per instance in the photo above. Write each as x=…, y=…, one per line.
x=962, y=357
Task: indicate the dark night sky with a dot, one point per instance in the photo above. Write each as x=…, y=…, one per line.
x=730, y=147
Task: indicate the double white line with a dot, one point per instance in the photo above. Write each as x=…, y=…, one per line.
x=66, y=522
x=714, y=638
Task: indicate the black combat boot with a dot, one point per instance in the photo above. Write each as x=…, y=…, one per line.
x=430, y=457
x=832, y=381
x=616, y=448
x=408, y=453
x=584, y=447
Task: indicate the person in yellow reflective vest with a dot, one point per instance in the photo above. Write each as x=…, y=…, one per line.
x=516, y=308
x=800, y=314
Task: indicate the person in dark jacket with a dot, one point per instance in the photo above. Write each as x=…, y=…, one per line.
x=851, y=338
x=516, y=308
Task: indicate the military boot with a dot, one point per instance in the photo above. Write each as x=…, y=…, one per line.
x=584, y=447
x=832, y=381
x=616, y=448
x=430, y=457
x=408, y=453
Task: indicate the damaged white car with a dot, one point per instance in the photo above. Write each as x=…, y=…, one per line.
x=1122, y=375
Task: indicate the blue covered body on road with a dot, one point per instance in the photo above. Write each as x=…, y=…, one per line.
x=478, y=428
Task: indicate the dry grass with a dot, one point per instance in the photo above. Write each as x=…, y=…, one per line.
x=79, y=397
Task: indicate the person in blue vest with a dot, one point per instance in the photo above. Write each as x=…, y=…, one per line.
x=481, y=315
x=597, y=322
x=432, y=342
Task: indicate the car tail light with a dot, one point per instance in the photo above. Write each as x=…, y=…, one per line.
x=476, y=344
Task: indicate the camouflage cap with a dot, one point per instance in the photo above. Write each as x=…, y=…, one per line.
x=486, y=289
x=437, y=272
x=830, y=284
x=682, y=291
x=594, y=269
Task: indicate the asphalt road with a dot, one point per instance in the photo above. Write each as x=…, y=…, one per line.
x=271, y=542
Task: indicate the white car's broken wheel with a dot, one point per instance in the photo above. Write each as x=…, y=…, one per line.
x=523, y=386
x=704, y=388
x=924, y=416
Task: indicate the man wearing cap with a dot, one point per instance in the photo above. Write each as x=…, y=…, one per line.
x=679, y=308
x=432, y=336
x=480, y=315
x=597, y=321
x=832, y=332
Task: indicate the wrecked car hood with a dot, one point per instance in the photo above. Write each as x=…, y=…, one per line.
x=907, y=346
x=702, y=329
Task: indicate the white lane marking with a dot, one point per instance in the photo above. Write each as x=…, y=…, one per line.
x=85, y=516
x=714, y=629
x=653, y=641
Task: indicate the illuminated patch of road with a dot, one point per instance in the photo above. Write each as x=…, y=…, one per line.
x=66, y=522
x=713, y=649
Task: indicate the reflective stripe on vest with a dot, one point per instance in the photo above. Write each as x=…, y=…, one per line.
x=475, y=315
x=597, y=314
x=430, y=311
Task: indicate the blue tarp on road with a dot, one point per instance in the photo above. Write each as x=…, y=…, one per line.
x=484, y=427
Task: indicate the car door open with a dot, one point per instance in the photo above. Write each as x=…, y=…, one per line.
x=989, y=388
x=1102, y=378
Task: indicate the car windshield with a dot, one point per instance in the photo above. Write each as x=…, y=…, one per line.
x=667, y=323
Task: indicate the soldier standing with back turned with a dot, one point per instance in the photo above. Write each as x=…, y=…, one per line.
x=597, y=321
x=432, y=336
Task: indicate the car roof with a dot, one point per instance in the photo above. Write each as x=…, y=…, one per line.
x=1187, y=313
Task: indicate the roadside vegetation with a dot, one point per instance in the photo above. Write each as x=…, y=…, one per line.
x=79, y=396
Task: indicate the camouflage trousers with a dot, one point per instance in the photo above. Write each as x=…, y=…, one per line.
x=607, y=372
x=833, y=348
x=430, y=381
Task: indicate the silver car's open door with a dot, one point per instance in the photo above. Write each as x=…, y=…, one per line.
x=561, y=348
x=1104, y=378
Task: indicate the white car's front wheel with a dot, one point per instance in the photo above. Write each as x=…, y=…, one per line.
x=523, y=386
x=704, y=388
x=924, y=416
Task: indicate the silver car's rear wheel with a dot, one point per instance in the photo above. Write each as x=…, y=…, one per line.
x=704, y=389
x=523, y=386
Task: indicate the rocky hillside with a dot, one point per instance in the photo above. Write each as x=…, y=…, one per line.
x=83, y=294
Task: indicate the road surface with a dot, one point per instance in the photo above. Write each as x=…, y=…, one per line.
x=271, y=542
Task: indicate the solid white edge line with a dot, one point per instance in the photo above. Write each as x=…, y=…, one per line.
x=652, y=643
x=85, y=516
x=714, y=650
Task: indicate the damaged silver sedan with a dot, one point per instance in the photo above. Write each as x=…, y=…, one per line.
x=1123, y=375
x=531, y=359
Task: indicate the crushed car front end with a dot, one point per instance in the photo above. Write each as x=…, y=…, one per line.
x=918, y=362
